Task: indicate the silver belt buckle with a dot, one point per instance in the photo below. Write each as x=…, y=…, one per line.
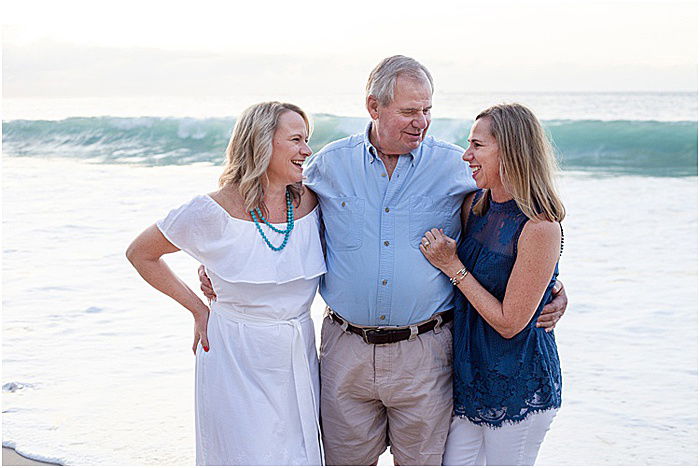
x=364, y=334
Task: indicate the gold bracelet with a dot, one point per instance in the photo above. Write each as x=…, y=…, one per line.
x=463, y=272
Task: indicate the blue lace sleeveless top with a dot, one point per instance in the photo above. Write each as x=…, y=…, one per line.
x=499, y=380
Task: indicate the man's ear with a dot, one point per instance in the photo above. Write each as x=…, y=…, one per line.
x=373, y=107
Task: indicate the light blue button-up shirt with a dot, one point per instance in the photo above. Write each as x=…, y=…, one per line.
x=373, y=226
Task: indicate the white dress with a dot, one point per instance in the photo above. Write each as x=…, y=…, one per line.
x=257, y=389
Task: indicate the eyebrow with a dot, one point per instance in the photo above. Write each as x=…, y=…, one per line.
x=412, y=109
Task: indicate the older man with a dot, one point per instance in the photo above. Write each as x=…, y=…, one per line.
x=386, y=342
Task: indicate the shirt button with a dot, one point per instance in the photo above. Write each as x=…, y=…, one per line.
x=342, y=204
x=384, y=282
x=386, y=209
x=382, y=317
x=386, y=243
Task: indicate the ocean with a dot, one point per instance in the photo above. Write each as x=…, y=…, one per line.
x=97, y=366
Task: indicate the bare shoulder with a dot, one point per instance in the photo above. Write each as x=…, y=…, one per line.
x=216, y=196
x=231, y=201
x=308, y=202
x=541, y=233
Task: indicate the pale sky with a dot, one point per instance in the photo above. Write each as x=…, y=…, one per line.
x=216, y=48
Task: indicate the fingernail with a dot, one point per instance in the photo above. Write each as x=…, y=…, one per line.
x=206, y=349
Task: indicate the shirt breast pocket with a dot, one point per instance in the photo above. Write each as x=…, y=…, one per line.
x=343, y=218
x=426, y=213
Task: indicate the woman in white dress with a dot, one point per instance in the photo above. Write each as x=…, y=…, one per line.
x=256, y=374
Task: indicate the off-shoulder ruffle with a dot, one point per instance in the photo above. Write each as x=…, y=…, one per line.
x=234, y=250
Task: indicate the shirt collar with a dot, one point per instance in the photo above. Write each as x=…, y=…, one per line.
x=372, y=153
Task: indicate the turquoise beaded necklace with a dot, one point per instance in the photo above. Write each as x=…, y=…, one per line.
x=256, y=213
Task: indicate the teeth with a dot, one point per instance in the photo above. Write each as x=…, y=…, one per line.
x=297, y=163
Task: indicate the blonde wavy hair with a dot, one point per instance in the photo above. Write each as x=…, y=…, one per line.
x=250, y=149
x=528, y=166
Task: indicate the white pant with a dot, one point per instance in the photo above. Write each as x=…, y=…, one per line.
x=510, y=444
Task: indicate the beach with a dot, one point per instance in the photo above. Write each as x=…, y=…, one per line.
x=12, y=458
x=97, y=366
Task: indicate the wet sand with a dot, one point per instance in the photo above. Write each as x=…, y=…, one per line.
x=12, y=458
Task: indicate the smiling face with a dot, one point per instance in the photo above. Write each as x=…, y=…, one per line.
x=484, y=158
x=289, y=149
x=399, y=127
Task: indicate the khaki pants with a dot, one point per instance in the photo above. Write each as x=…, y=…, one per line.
x=397, y=394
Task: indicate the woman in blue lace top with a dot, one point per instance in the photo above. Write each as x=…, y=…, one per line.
x=507, y=380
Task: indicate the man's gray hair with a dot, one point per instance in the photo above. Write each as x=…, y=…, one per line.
x=382, y=80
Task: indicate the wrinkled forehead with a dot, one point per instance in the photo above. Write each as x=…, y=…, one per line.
x=408, y=89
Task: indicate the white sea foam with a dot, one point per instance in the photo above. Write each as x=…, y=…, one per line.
x=97, y=366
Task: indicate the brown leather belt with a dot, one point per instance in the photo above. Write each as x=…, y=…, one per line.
x=386, y=335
